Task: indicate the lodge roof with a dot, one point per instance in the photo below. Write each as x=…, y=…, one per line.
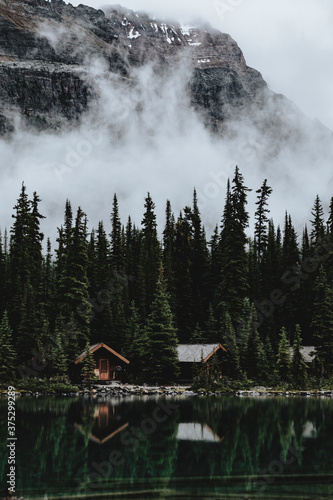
x=194, y=353
x=95, y=347
x=305, y=351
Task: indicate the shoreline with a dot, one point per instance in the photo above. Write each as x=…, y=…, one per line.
x=123, y=390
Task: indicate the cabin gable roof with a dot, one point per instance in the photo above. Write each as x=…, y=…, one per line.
x=194, y=353
x=95, y=347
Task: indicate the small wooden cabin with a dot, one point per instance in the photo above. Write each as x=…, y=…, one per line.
x=308, y=353
x=109, y=364
x=190, y=354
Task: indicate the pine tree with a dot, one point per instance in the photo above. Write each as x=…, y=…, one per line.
x=25, y=258
x=7, y=351
x=161, y=358
x=183, y=280
x=322, y=321
x=261, y=223
x=137, y=343
x=133, y=326
x=283, y=358
x=318, y=222
x=298, y=366
x=270, y=357
x=73, y=285
x=243, y=331
x=290, y=250
x=169, y=235
x=132, y=263
x=288, y=314
x=117, y=250
x=88, y=365
x=58, y=358
x=150, y=255
x=215, y=266
x=234, y=272
x=199, y=262
x=230, y=363
x=211, y=330
x=254, y=279
x=329, y=223
x=197, y=335
x=256, y=362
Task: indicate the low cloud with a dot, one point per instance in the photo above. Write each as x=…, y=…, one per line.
x=141, y=135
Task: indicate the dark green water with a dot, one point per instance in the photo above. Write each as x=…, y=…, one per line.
x=186, y=447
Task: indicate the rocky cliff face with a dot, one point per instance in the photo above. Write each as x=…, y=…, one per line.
x=47, y=47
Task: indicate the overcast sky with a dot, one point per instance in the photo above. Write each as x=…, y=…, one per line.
x=289, y=41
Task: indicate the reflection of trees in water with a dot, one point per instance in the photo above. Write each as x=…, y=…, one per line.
x=253, y=433
x=48, y=454
x=149, y=457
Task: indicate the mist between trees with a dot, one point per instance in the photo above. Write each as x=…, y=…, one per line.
x=123, y=286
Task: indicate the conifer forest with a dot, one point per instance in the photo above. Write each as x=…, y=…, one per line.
x=143, y=289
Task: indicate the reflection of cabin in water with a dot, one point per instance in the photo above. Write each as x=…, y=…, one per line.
x=190, y=355
x=103, y=424
x=109, y=364
x=195, y=431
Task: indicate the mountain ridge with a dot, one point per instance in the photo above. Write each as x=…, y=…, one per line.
x=58, y=63
x=41, y=52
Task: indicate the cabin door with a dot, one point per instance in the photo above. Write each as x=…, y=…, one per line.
x=104, y=369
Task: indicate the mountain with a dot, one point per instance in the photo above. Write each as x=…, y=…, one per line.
x=47, y=49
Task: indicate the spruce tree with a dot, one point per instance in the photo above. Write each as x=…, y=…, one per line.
x=329, y=223
x=136, y=346
x=322, y=321
x=234, y=263
x=73, y=286
x=169, y=235
x=230, y=363
x=161, y=357
x=298, y=366
x=199, y=262
x=260, y=215
x=197, y=335
x=242, y=331
x=215, y=266
x=25, y=261
x=211, y=330
x=318, y=222
x=183, y=279
x=88, y=365
x=288, y=313
x=133, y=326
x=117, y=249
x=150, y=255
x=270, y=358
x=58, y=361
x=256, y=362
x=283, y=357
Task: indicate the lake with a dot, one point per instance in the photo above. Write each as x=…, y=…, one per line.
x=172, y=447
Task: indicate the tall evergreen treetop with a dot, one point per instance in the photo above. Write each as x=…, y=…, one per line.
x=318, y=221
x=233, y=287
x=261, y=218
x=117, y=251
